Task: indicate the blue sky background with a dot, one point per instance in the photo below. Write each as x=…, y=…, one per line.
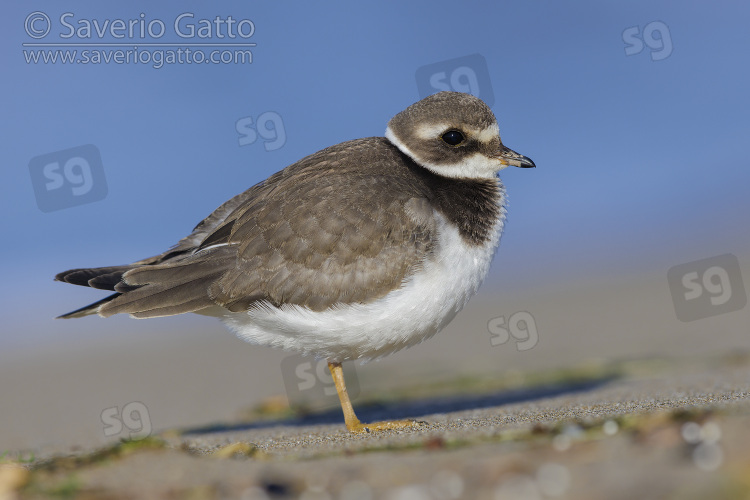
x=642, y=163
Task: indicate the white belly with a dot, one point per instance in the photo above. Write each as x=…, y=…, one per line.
x=415, y=312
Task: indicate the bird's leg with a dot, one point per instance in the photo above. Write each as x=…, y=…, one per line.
x=350, y=418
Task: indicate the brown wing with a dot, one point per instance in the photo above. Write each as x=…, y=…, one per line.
x=181, y=298
x=343, y=244
x=340, y=226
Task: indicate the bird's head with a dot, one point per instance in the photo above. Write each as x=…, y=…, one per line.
x=453, y=134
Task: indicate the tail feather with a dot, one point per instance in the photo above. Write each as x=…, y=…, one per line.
x=189, y=306
x=89, y=309
x=184, y=269
x=107, y=281
x=162, y=299
x=104, y=278
x=153, y=290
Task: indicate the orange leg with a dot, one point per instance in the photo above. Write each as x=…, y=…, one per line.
x=350, y=418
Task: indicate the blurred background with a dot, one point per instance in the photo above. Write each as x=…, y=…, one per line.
x=630, y=239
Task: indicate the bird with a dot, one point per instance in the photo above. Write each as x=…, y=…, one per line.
x=354, y=252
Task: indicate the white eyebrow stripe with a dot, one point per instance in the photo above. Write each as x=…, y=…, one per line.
x=434, y=131
x=489, y=133
x=426, y=131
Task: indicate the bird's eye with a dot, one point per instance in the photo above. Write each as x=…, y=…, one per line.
x=453, y=137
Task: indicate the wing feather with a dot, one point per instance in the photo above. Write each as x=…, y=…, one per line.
x=344, y=225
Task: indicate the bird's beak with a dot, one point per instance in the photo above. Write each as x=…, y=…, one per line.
x=509, y=157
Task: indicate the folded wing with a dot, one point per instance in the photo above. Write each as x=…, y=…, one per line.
x=317, y=234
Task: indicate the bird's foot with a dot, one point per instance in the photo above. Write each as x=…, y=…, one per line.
x=361, y=428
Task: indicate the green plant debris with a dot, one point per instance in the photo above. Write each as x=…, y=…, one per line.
x=118, y=450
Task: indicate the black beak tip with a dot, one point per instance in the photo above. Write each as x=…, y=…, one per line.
x=527, y=162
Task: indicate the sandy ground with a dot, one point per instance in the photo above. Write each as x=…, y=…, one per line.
x=616, y=398
x=654, y=430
